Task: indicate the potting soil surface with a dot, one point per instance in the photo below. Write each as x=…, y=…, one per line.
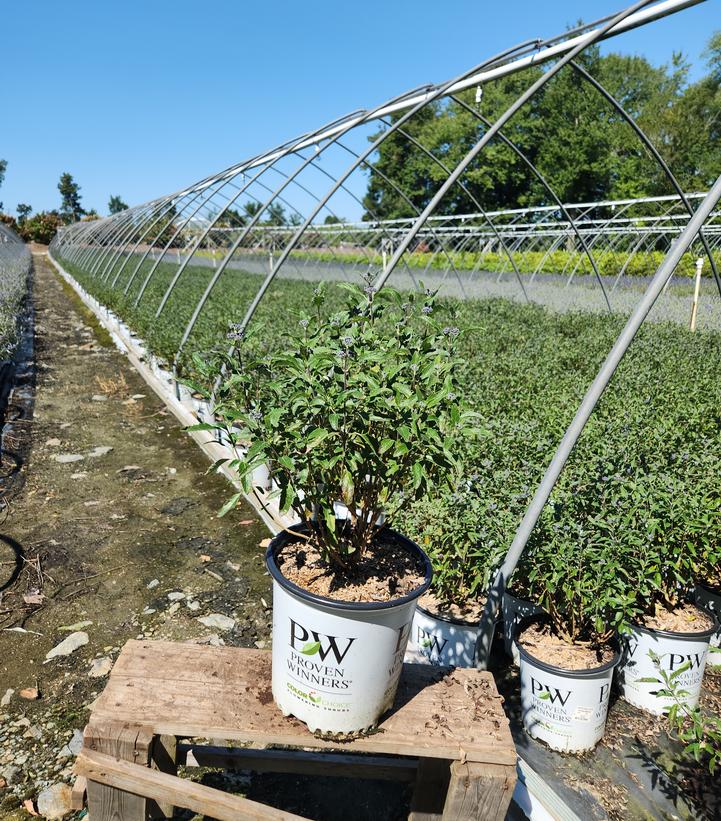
x=540, y=641
x=686, y=618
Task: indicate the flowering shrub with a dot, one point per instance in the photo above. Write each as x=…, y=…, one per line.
x=361, y=408
x=40, y=227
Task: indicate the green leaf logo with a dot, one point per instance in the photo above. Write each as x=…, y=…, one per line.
x=545, y=696
x=426, y=643
x=310, y=648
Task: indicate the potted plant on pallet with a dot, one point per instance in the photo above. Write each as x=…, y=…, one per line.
x=359, y=409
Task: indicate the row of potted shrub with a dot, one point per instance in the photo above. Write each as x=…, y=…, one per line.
x=624, y=548
x=362, y=410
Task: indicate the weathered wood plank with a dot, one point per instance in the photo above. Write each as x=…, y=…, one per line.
x=136, y=781
x=123, y=741
x=300, y=762
x=163, y=757
x=224, y=692
x=77, y=796
x=478, y=792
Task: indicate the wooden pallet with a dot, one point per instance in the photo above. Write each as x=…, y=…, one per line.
x=446, y=732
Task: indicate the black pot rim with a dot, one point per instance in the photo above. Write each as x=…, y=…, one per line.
x=512, y=595
x=709, y=588
x=671, y=634
x=284, y=537
x=592, y=672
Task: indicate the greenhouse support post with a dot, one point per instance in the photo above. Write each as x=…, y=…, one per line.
x=590, y=400
x=696, y=292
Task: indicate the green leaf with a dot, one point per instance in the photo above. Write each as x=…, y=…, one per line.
x=230, y=504
x=316, y=436
x=202, y=426
x=311, y=648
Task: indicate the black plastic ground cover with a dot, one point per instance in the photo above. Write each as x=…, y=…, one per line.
x=17, y=401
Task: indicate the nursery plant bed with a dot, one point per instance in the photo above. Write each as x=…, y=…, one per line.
x=636, y=771
x=446, y=731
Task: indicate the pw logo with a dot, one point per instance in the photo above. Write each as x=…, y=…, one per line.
x=674, y=660
x=311, y=643
x=430, y=643
x=546, y=693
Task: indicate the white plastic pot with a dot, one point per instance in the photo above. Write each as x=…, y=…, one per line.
x=261, y=477
x=336, y=664
x=441, y=640
x=514, y=611
x=674, y=650
x=710, y=599
x=566, y=709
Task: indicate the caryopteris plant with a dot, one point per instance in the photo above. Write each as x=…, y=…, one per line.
x=361, y=407
x=698, y=730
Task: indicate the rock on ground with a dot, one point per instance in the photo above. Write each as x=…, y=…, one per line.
x=217, y=621
x=68, y=645
x=54, y=802
x=100, y=667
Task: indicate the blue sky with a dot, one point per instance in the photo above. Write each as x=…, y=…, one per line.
x=142, y=98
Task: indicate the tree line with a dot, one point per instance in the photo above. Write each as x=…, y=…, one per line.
x=42, y=226
x=576, y=139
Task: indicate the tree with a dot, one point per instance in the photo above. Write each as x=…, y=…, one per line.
x=70, y=207
x=577, y=140
x=251, y=208
x=331, y=219
x=230, y=218
x=692, y=138
x=116, y=205
x=276, y=214
x=412, y=163
x=24, y=212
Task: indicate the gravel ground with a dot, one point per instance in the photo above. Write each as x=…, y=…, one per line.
x=110, y=533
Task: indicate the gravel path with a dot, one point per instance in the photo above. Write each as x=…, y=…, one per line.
x=112, y=535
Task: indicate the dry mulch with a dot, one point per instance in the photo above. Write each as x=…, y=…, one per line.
x=469, y=612
x=386, y=572
x=540, y=641
x=685, y=618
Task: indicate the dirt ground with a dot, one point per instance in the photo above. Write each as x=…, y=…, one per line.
x=110, y=529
